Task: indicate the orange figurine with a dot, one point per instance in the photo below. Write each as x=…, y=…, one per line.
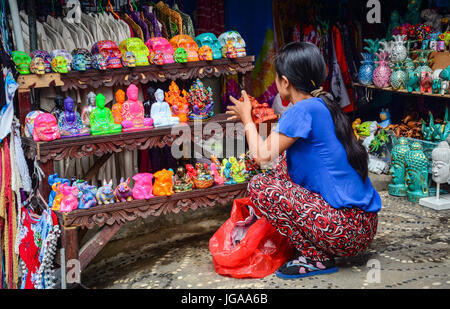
x=262, y=113
x=163, y=183
x=178, y=104
x=117, y=108
x=58, y=197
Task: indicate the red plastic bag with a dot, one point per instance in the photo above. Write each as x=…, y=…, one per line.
x=260, y=253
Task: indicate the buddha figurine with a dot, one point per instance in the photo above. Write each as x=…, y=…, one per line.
x=398, y=168
x=182, y=182
x=59, y=106
x=161, y=113
x=45, y=128
x=117, y=108
x=88, y=108
x=416, y=173
x=133, y=112
x=150, y=99
x=102, y=120
x=69, y=122
x=178, y=103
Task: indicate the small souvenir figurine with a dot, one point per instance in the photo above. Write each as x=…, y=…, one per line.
x=205, y=53
x=365, y=72
x=182, y=182
x=44, y=55
x=79, y=62
x=160, y=47
x=58, y=110
x=22, y=62
x=227, y=172
x=64, y=54
x=180, y=55
x=37, y=65
x=29, y=122
x=191, y=171
x=201, y=102
x=129, y=60
x=238, y=171
x=445, y=86
x=105, y=194
x=45, y=128
x=110, y=51
x=54, y=179
x=218, y=180
x=56, y=187
x=232, y=39
x=416, y=173
x=138, y=48
x=59, y=65
x=425, y=82
x=148, y=104
x=163, y=183
x=133, y=112
x=188, y=44
x=143, y=186
x=116, y=109
x=123, y=192
x=69, y=122
x=398, y=168
x=161, y=113
x=88, y=108
x=203, y=179
x=86, y=196
x=382, y=74
x=87, y=56
x=385, y=117
x=436, y=86
x=99, y=62
x=178, y=103
x=413, y=82
x=69, y=200
x=262, y=113
x=209, y=39
x=398, y=77
x=101, y=119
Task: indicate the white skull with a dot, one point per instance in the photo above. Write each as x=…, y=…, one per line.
x=236, y=40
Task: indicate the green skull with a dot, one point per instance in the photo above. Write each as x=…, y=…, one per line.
x=180, y=55
x=59, y=64
x=22, y=61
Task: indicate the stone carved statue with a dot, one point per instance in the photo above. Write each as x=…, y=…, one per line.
x=416, y=173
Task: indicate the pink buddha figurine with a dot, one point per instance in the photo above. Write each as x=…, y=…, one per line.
x=45, y=128
x=133, y=112
x=117, y=108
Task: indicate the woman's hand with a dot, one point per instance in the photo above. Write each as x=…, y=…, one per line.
x=240, y=110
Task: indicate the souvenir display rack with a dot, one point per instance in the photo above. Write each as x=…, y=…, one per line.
x=403, y=91
x=110, y=218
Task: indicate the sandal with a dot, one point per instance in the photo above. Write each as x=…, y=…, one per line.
x=305, y=267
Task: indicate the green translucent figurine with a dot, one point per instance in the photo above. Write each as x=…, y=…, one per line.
x=398, y=168
x=102, y=120
x=416, y=173
x=238, y=171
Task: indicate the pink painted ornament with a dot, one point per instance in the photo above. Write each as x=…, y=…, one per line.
x=143, y=187
x=69, y=200
x=45, y=128
x=218, y=180
x=162, y=46
x=382, y=74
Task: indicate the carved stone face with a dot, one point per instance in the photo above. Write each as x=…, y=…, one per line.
x=180, y=55
x=22, y=62
x=138, y=48
x=37, y=65
x=236, y=40
x=79, y=62
x=163, y=46
x=440, y=171
x=59, y=64
x=110, y=51
x=186, y=42
x=210, y=40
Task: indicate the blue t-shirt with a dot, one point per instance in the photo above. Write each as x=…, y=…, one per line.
x=318, y=161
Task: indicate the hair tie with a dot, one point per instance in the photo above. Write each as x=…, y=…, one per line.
x=312, y=82
x=316, y=93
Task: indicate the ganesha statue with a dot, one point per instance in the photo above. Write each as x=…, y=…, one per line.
x=138, y=48
x=162, y=47
x=45, y=128
x=22, y=62
x=110, y=51
x=209, y=39
x=178, y=102
x=232, y=40
x=188, y=43
x=201, y=101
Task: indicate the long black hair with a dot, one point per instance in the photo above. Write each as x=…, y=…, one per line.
x=303, y=65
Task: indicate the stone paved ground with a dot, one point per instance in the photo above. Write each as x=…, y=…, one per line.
x=412, y=247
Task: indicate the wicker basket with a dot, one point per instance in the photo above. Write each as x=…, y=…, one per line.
x=203, y=184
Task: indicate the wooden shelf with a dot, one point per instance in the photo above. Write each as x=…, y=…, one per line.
x=403, y=91
x=79, y=147
x=94, y=79
x=179, y=202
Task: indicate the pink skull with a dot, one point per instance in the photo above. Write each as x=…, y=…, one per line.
x=161, y=44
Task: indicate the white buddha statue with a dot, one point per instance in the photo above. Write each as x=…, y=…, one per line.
x=161, y=112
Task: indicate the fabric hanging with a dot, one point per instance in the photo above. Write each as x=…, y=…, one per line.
x=210, y=17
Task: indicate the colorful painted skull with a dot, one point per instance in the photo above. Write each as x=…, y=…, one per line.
x=163, y=46
x=138, y=48
x=205, y=53
x=87, y=55
x=210, y=40
x=37, y=65
x=79, y=62
x=99, y=62
x=158, y=57
x=180, y=55
x=22, y=62
x=29, y=122
x=129, y=59
x=47, y=60
x=62, y=53
x=230, y=51
x=110, y=51
x=59, y=64
x=187, y=42
x=235, y=39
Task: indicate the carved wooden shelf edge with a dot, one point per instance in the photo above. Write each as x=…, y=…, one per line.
x=180, y=202
x=403, y=91
x=144, y=75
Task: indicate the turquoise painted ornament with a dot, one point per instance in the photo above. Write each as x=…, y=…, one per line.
x=416, y=173
x=413, y=83
x=398, y=168
x=365, y=73
x=398, y=77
